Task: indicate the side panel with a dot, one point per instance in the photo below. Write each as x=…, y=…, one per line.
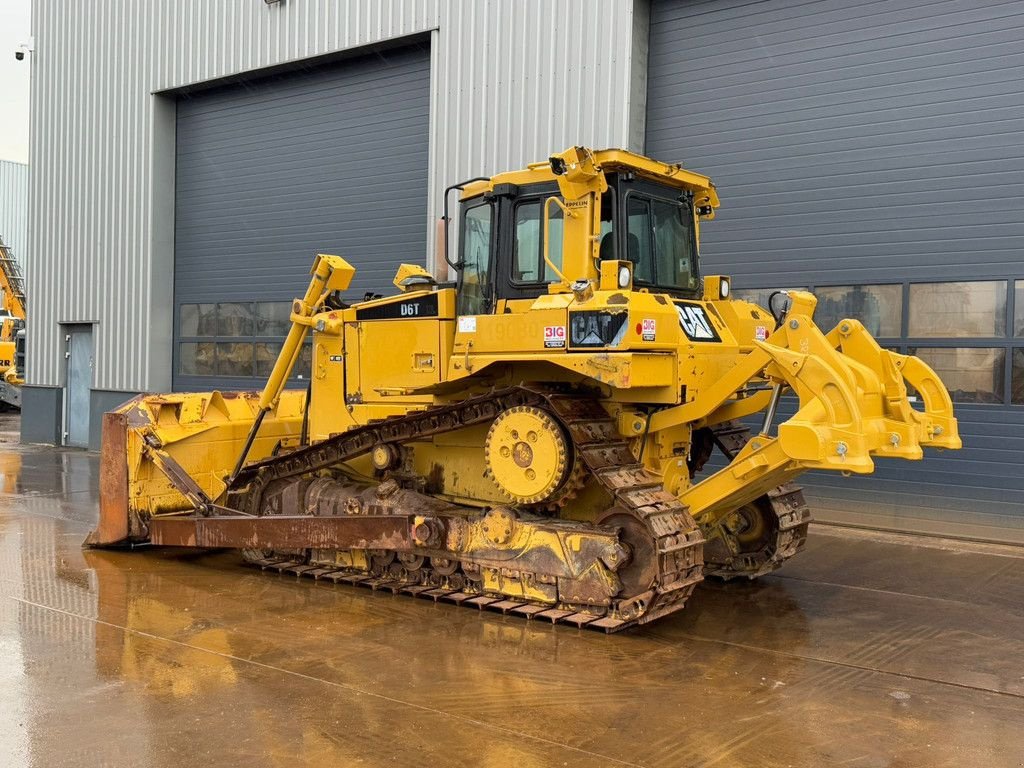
x=397, y=355
x=42, y=413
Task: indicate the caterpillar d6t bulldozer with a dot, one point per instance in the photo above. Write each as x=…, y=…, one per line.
x=538, y=436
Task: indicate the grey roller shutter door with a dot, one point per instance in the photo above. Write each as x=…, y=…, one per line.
x=858, y=143
x=330, y=158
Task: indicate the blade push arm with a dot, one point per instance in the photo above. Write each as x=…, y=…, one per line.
x=330, y=273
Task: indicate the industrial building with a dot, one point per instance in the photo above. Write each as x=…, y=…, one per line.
x=189, y=158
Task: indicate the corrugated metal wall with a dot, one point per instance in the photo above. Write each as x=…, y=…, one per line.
x=862, y=142
x=14, y=208
x=848, y=139
x=515, y=81
x=510, y=82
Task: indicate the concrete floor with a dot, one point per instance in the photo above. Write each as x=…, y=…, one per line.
x=865, y=651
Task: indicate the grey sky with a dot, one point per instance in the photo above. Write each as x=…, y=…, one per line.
x=15, y=16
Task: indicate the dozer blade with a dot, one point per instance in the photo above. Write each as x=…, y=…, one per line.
x=169, y=454
x=165, y=454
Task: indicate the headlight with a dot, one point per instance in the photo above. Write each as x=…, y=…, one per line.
x=623, y=277
x=724, y=288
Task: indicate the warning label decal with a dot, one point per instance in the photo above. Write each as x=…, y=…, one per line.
x=554, y=336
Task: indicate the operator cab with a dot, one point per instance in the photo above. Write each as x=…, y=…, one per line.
x=502, y=240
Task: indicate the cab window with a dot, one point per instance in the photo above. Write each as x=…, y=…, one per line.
x=672, y=226
x=638, y=239
x=660, y=242
x=528, y=259
x=475, y=277
x=608, y=247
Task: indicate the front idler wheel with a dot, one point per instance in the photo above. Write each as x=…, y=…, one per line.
x=638, y=572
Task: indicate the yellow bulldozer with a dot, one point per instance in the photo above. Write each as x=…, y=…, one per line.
x=560, y=433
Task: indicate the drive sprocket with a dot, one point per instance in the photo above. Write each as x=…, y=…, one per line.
x=527, y=454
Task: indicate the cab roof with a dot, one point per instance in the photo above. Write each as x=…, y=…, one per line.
x=608, y=161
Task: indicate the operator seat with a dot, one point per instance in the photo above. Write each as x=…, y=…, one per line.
x=607, y=248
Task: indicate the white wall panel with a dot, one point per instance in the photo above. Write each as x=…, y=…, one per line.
x=512, y=81
x=517, y=81
x=14, y=208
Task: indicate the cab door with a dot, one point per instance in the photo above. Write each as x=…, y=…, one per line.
x=476, y=282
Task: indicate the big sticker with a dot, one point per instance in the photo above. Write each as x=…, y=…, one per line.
x=554, y=335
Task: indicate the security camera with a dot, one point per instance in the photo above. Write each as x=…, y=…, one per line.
x=19, y=55
x=23, y=49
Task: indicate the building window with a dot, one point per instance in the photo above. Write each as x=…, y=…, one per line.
x=971, y=374
x=1017, y=377
x=235, y=319
x=235, y=339
x=235, y=358
x=266, y=356
x=1018, y=313
x=272, y=318
x=878, y=307
x=957, y=310
x=970, y=332
x=760, y=296
x=198, y=320
x=197, y=358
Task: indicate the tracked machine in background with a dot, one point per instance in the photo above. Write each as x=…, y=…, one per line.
x=538, y=436
x=12, y=329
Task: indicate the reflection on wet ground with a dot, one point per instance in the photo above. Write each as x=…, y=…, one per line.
x=864, y=652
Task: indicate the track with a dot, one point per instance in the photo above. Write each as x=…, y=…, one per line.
x=665, y=543
x=784, y=517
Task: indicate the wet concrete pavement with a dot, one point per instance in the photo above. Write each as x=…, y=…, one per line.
x=862, y=652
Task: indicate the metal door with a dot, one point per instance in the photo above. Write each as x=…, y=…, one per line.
x=332, y=159
x=79, y=384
